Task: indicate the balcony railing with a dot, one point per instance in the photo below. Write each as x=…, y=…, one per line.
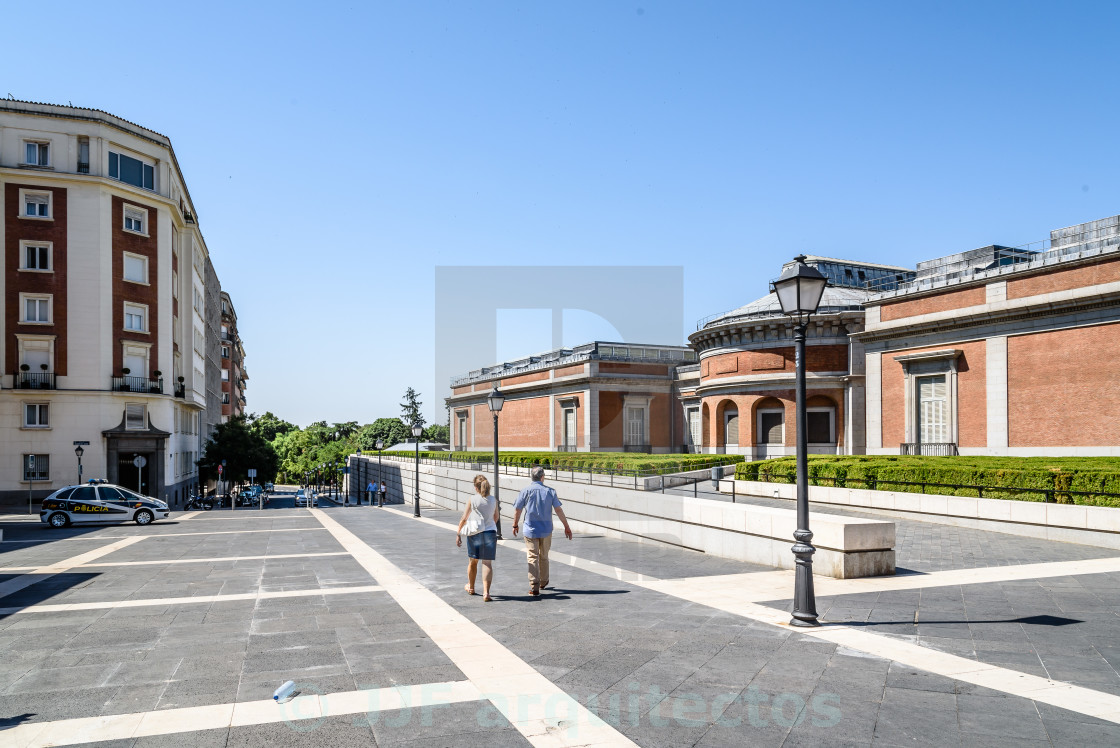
x=566, y=448
x=645, y=448
x=930, y=449
x=180, y=389
x=34, y=380
x=138, y=384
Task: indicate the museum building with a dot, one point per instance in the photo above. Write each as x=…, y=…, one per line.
x=999, y=350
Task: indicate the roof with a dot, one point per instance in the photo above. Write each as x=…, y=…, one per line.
x=835, y=299
x=810, y=259
x=69, y=110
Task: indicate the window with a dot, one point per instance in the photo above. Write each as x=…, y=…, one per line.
x=36, y=153
x=36, y=467
x=134, y=317
x=771, y=426
x=135, y=268
x=225, y=375
x=694, y=427
x=820, y=423
x=35, y=256
x=83, y=155
x=933, y=421
x=36, y=204
x=36, y=415
x=225, y=398
x=731, y=427
x=131, y=171
x=635, y=426
x=570, y=427
x=36, y=309
x=225, y=351
x=135, y=219
x=135, y=416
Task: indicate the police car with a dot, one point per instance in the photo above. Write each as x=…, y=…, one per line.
x=100, y=502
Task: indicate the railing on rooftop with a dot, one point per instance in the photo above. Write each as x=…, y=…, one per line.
x=1059, y=248
x=588, y=352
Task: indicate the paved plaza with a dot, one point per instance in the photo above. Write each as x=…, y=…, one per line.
x=179, y=633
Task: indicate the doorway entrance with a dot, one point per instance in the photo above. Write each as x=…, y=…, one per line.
x=131, y=477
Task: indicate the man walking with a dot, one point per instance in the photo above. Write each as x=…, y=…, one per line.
x=538, y=502
x=370, y=488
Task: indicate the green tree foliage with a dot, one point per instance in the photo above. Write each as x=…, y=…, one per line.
x=410, y=409
x=241, y=448
x=390, y=430
x=268, y=426
x=438, y=433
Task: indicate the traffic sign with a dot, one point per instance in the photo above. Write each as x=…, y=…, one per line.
x=81, y=444
x=252, y=472
x=140, y=461
x=219, y=469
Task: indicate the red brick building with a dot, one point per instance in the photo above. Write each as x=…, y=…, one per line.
x=1000, y=351
x=598, y=397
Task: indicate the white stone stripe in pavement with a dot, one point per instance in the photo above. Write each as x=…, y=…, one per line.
x=5, y=569
x=539, y=709
x=58, y=567
x=188, y=515
x=302, y=713
x=168, y=534
x=728, y=593
x=145, y=602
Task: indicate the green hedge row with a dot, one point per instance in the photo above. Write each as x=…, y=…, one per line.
x=1059, y=475
x=622, y=462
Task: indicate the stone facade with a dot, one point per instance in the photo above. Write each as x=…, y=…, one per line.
x=103, y=330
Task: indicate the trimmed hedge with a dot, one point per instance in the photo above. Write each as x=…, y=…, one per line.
x=1057, y=474
x=619, y=462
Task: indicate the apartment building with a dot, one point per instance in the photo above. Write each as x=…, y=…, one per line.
x=233, y=372
x=104, y=325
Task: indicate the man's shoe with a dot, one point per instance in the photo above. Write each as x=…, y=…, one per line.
x=534, y=591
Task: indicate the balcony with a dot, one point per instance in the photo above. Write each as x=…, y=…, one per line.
x=567, y=448
x=34, y=380
x=180, y=390
x=138, y=384
x=930, y=449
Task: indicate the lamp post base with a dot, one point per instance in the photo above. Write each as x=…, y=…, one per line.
x=804, y=600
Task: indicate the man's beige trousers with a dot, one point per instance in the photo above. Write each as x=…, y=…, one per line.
x=538, y=560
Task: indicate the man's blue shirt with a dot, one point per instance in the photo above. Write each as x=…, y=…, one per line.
x=537, y=501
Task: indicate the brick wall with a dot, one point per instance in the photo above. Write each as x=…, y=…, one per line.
x=1063, y=280
x=614, y=367
x=774, y=361
x=536, y=376
x=610, y=419
x=146, y=246
x=927, y=305
x=1060, y=397
x=16, y=282
x=972, y=395
x=568, y=371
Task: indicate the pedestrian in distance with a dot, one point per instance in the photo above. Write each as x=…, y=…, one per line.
x=383, y=490
x=538, y=501
x=370, y=488
x=478, y=526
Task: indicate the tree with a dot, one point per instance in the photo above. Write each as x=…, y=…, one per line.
x=438, y=433
x=269, y=426
x=345, y=430
x=241, y=448
x=390, y=430
x=410, y=409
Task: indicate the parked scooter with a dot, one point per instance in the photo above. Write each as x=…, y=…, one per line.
x=199, y=502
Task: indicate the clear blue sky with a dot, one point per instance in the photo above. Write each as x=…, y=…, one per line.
x=338, y=152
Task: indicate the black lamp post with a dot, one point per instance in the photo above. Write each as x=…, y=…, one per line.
x=496, y=400
x=361, y=484
x=799, y=292
x=30, y=481
x=417, y=430
x=78, y=452
x=380, y=445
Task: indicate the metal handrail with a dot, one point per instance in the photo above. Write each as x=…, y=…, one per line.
x=34, y=380
x=1050, y=495
x=138, y=384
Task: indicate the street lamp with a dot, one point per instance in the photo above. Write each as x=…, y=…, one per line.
x=361, y=485
x=78, y=452
x=30, y=481
x=496, y=400
x=799, y=292
x=417, y=430
x=380, y=445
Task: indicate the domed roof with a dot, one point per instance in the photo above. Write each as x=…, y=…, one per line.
x=835, y=299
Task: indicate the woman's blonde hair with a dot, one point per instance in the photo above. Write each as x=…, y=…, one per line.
x=482, y=485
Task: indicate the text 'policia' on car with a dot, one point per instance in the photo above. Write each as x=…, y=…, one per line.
x=100, y=502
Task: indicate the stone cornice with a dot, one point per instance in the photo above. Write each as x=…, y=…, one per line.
x=772, y=332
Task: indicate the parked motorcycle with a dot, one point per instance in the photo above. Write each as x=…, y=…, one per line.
x=199, y=502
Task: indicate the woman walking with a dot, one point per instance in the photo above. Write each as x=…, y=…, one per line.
x=478, y=524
